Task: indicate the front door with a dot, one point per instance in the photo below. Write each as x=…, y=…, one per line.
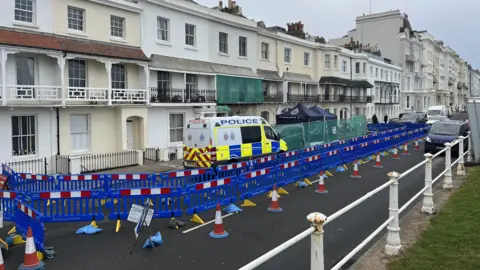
x=130, y=136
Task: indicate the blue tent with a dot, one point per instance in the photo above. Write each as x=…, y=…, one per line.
x=298, y=114
x=322, y=112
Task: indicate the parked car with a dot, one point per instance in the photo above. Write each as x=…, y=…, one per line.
x=437, y=118
x=409, y=118
x=445, y=131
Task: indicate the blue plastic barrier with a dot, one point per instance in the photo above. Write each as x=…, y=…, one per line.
x=25, y=217
x=312, y=165
x=81, y=182
x=68, y=206
x=233, y=169
x=289, y=172
x=331, y=159
x=130, y=180
x=27, y=183
x=289, y=156
x=10, y=174
x=257, y=182
x=165, y=201
x=311, y=151
x=8, y=204
x=186, y=177
x=204, y=196
x=265, y=162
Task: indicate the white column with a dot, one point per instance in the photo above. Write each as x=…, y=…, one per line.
x=63, y=91
x=447, y=180
x=316, y=241
x=428, y=205
x=147, y=83
x=394, y=243
x=470, y=149
x=461, y=163
x=108, y=67
x=184, y=87
x=3, y=66
x=215, y=86
x=75, y=165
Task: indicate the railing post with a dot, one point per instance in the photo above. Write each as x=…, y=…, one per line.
x=394, y=243
x=428, y=205
x=316, y=249
x=470, y=154
x=461, y=162
x=447, y=180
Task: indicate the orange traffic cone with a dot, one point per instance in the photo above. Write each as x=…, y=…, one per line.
x=395, y=153
x=218, y=229
x=321, y=185
x=274, y=206
x=355, y=174
x=2, y=266
x=417, y=147
x=405, y=150
x=378, y=164
x=30, y=259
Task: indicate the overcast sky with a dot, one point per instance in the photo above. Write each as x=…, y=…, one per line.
x=456, y=22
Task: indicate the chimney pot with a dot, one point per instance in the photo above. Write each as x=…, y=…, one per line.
x=229, y=4
x=220, y=4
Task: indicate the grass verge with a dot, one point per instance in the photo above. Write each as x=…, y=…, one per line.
x=452, y=240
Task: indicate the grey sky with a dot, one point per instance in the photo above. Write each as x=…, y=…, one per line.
x=454, y=22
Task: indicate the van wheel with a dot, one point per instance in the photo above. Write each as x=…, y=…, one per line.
x=231, y=161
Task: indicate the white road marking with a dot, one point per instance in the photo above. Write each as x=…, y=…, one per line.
x=206, y=223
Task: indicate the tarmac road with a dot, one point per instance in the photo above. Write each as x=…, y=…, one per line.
x=253, y=232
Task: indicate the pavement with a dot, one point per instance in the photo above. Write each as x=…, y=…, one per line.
x=253, y=232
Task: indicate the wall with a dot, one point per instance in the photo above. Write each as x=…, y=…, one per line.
x=271, y=63
x=297, y=51
x=97, y=21
x=43, y=14
x=159, y=122
x=46, y=145
x=45, y=69
x=139, y=116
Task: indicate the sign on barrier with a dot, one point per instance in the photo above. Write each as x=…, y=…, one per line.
x=136, y=212
x=206, y=195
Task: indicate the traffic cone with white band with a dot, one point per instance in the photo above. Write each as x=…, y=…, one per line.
x=218, y=229
x=378, y=163
x=274, y=206
x=355, y=174
x=405, y=150
x=2, y=266
x=321, y=184
x=31, y=261
x=395, y=153
x=417, y=147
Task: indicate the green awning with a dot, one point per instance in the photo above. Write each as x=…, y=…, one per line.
x=225, y=109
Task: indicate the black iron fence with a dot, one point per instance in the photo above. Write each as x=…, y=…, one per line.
x=109, y=161
x=277, y=98
x=302, y=98
x=170, y=95
x=151, y=155
x=62, y=164
x=35, y=166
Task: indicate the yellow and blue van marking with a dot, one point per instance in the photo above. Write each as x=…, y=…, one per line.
x=227, y=152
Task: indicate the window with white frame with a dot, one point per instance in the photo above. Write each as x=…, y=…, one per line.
x=371, y=71
x=77, y=73
x=119, y=77
x=76, y=19
x=327, y=60
x=242, y=46
x=117, y=27
x=344, y=66
x=163, y=80
x=23, y=135
x=191, y=81
x=163, y=26
x=25, y=11
x=79, y=132
x=364, y=68
x=381, y=73
x=223, y=42
x=306, y=59
x=357, y=68
x=376, y=72
x=190, y=34
x=265, y=51
x=176, y=127
x=335, y=61
x=287, y=54
x=25, y=70
x=391, y=75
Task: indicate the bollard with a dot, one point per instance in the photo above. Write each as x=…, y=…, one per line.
x=316, y=249
x=461, y=163
x=394, y=244
x=428, y=205
x=470, y=154
x=447, y=180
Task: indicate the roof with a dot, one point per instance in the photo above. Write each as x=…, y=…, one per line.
x=66, y=44
x=346, y=82
x=233, y=70
x=269, y=75
x=180, y=64
x=297, y=77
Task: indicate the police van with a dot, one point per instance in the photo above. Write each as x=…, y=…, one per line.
x=211, y=141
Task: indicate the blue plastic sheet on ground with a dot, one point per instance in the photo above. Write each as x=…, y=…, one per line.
x=155, y=240
x=89, y=229
x=232, y=208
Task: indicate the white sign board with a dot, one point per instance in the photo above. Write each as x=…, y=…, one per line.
x=1, y=219
x=334, y=130
x=136, y=212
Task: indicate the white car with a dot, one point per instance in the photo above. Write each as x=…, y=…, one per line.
x=436, y=118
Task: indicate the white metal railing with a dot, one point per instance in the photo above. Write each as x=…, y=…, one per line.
x=102, y=95
x=34, y=92
x=393, y=243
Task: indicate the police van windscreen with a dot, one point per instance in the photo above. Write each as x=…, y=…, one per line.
x=434, y=112
x=196, y=136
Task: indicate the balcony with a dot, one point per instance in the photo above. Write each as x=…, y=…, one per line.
x=33, y=94
x=330, y=98
x=409, y=58
x=302, y=98
x=387, y=100
x=79, y=95
x=270, y=98
x=358, y=99
x=176, y=96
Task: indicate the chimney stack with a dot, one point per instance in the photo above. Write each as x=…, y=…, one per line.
x=234, y=4
x=229, y=4
x=220, y=5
